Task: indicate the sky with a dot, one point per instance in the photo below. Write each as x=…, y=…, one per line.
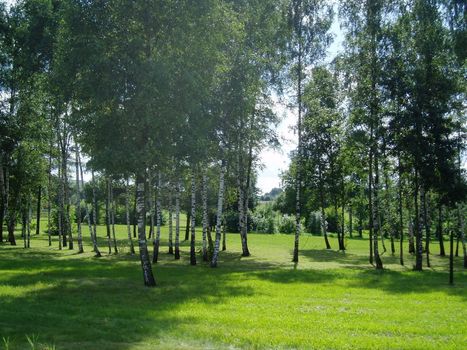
x=276, y=161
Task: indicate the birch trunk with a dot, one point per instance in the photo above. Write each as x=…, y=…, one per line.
x=426, y=224
x=112, y=217
x=151, y=206
x=49, y=197
x=60, y=205
x=23, y=227
x=127, y=209
x=78, y=203
x=418, y=232
x=66, y=202
x=88, y=213
x=298, y=180
x=451, y=257
x=376, y=217
x=177, y=221
x=135, y=218
x=107, y=217
x=245, y=249
x=439, y=230
x=193, y=217
x=157, y=237
x=220, y=202
x=401, y=218
x=171, y=249
x=205, y=216
x=11, y=227
x=323, y=214
x=94, y=210
x=143, y=248
x=460, y=218
x=28, y=222
x=38, y=210
x=224, y=238
x=2, y=198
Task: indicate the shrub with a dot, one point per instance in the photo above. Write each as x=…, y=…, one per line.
x=287, y=224
x=313, y=223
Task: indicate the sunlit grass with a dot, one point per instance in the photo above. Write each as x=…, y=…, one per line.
x=330, y=300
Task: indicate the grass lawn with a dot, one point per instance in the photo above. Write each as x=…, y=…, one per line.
x=331, y=300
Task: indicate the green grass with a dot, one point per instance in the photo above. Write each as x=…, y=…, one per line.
x=331, y=300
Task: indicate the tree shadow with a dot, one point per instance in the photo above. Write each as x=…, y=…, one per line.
x=71, y=303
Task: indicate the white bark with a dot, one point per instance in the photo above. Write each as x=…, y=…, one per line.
x=205, y=216
x=143, y=248
x=112, y=217
x=78, y=202
x=157, y=236
x=88, y=214
x=170, y=221
x=177, y=221
x=220, y=202
x=127, y=209
x=193, y=219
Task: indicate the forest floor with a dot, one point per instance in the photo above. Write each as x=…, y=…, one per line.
x=330, y=300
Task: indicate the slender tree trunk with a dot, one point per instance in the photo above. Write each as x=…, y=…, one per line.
x=418, y=232
x=128, y=223
x=439, y=230
x=187, y=226
x=28, y=222
x=157, y=238
x=107, y=216
x=220, y=202
x=23, y=226
x=170, y=222
x=321, y=202
x=88, y=213
x=451, y=258
x=401, y=217
x=66, y=203
x=2, y=198
x=246, y=196
x=298, y=180
x=370, y=205
x=193, y=216
x=245, y=249
x=148, y=276
x=49, y=197
x=224, y=237
x=241, y=202
x=377, y=218
x=38, y=210
x=426, y=223
x=135, y=217
x=94, y=210
x=204, y=198
x=112, y=217
x=78, y=203
x=342, y=229
x=462, y=233
x=151, y=206
x=177, y=220
x=60, y=205
x=350, y=221
x=11, y=227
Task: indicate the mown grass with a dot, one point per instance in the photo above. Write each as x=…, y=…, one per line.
x=330, y=300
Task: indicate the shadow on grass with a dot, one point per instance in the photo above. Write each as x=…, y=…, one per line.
x=101, y=302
